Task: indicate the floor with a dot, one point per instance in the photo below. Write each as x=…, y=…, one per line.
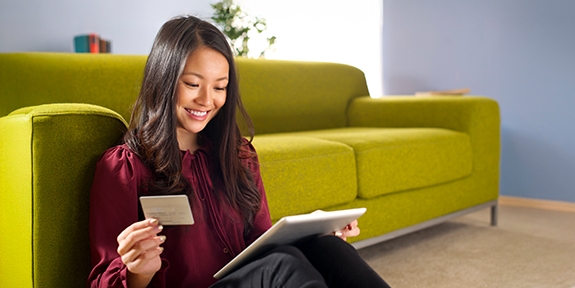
x=529, y=248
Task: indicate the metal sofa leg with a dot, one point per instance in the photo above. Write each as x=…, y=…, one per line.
x=494, y=215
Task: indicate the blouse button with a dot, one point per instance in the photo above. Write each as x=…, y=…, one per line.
x=226, y=250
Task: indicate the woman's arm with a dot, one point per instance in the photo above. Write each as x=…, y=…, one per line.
x=114, y=238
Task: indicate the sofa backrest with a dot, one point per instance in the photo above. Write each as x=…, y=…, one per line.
x=280, y=96
x=286, y=96
x=30, y=79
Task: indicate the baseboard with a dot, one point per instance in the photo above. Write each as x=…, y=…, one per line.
x=537, y=203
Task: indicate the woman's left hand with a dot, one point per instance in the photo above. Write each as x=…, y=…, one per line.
x=350, y=230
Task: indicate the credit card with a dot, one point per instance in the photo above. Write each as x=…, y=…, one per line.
x=169, y=210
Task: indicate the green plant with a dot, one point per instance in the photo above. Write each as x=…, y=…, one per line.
x=238, y=25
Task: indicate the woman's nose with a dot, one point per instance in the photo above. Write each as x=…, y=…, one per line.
x=204, y=97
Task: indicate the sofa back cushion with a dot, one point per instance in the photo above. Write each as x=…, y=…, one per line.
x=286, y=96
x=280, y=96
x=29, y=79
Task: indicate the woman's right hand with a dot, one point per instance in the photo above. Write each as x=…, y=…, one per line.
x=139, y=247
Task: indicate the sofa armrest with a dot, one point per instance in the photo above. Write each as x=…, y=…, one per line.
x=48, y=154
x=477, y=116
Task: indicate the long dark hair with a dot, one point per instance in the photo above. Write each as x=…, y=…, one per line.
x=152, y=130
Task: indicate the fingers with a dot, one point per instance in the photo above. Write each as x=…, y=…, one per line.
x=144, y=267
x=137, y=232
x=148, y=224
x=351, y=230
x=351, y=233
x=139, y=246
x=143, y=250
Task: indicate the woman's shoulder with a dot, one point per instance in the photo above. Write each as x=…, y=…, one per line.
x=119, y=152
x=121, y=157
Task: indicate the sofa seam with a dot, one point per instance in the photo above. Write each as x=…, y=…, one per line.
x=32, y=225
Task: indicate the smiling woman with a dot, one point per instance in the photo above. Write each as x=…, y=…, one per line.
x=183, y=138
x=201, y=93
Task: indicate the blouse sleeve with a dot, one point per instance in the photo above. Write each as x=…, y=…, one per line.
x=114, y=207
x=262, y=220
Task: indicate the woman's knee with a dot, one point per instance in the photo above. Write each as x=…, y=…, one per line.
x=286, y=256
x=325, y=245
x=284, y=266
x=289, y=267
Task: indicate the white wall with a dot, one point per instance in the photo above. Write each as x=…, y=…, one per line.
x=340, y=31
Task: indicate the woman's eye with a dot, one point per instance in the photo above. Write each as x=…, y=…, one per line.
x=192, y=85
x=220, y=88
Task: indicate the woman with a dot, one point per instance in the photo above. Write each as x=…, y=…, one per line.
x=183, y=139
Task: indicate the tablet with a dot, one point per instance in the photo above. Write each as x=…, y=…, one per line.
x=292, y=229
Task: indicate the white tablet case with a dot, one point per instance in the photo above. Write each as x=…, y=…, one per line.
x=291, y=229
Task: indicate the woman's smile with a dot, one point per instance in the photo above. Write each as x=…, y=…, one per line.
x=196, y=114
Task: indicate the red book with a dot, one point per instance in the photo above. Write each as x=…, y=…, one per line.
x=94, y=43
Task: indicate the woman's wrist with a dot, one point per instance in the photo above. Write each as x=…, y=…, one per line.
x=138, y=280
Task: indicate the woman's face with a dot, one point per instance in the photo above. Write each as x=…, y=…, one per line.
x=201, y=92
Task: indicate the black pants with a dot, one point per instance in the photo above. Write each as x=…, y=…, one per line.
x=322, y=262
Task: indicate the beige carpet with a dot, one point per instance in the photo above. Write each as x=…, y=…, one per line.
x=529, y=248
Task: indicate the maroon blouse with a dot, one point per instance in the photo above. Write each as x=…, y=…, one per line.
x=192, y=254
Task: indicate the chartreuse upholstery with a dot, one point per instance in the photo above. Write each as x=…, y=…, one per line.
x=323, y=143
x=47, y=158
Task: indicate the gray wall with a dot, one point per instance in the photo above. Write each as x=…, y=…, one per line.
x=131, y=25
x=520, y=52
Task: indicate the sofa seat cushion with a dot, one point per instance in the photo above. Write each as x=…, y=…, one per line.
x=317, y=173
x=397, y=159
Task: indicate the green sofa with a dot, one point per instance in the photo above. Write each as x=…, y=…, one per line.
x=323, y=143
